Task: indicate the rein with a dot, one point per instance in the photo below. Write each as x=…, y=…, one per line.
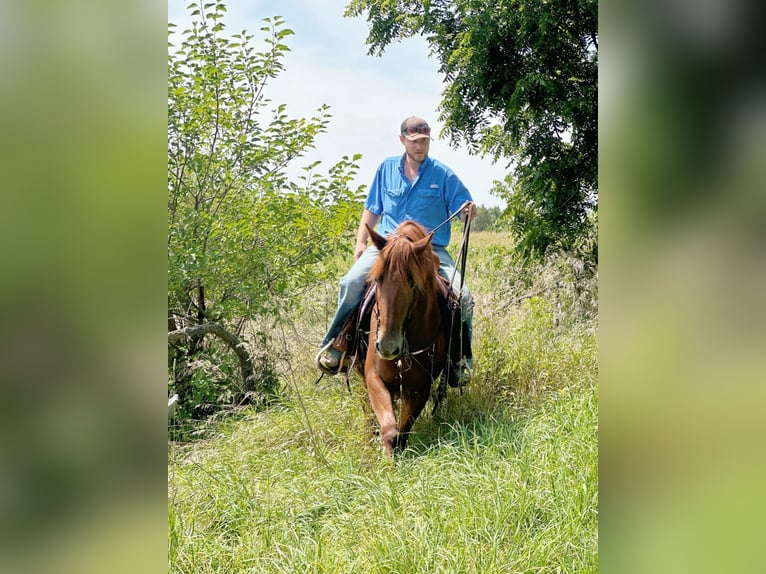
x=446, y=221
x=463, y=253
x=411, y=356
x=462, y=257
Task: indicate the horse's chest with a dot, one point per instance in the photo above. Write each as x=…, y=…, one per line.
x=391, y=373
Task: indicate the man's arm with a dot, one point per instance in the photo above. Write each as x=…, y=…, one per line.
x=370, y=219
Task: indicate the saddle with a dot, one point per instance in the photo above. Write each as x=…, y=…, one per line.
x=353, y=334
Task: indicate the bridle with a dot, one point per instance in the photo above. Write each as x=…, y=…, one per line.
x=411, y=356
x=462, y=256
x=405, y=354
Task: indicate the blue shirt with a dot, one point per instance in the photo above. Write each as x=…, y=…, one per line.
x=435, y=194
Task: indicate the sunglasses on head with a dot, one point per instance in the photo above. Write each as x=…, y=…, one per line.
x=421, y=129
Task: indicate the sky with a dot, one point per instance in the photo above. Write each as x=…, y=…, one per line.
x=369, y=96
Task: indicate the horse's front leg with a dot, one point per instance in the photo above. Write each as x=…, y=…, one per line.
x=414, y=398
x=368, y=415
x=380, y=399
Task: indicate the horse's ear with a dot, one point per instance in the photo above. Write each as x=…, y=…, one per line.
x=424, y=243
x=378, y=240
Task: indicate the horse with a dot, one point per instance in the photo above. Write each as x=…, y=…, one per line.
x=409, y=336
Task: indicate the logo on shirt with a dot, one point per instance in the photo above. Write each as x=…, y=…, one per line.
x=434, y=186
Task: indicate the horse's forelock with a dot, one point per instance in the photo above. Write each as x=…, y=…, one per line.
x=411, y=230
x=393, y=260
x=399, y=260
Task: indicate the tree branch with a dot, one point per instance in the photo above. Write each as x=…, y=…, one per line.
x=233, y=342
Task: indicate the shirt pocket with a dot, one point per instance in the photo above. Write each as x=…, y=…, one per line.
x=427, y=206
x=392, y=200
x=430, y=192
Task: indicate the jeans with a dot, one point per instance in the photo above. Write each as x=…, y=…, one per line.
x=353, y=283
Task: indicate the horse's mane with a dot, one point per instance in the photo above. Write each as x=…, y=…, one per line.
x=400, y=262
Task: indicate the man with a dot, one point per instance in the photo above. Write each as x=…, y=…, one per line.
x=411, y=186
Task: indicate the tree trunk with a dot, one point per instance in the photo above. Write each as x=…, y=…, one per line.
x=234, y=343
x=178, y=359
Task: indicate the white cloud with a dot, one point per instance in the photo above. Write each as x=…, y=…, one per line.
x=368, y=96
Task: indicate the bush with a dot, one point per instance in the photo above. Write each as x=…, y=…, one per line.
x=525, y=357
x=245, y=239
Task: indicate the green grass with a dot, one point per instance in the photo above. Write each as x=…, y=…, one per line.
x=502, y=479
x=499, y=493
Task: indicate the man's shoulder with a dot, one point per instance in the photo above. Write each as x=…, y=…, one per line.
x=437, y=165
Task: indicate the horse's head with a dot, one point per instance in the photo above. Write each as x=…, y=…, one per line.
x=405, y=268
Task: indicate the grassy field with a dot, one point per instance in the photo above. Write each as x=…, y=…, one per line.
x=502, y=479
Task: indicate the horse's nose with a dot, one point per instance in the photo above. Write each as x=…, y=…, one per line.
x=387, y=353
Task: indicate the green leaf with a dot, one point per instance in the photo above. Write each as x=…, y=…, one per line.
x=238, y=225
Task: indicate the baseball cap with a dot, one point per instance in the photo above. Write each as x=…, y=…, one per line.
x=416, y=130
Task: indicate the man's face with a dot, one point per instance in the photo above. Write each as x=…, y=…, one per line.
x=418, y=149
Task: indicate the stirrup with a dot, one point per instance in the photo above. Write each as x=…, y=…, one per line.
x=324, y=369
x=463, y=373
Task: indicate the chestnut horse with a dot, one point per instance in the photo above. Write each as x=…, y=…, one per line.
x=409, y=331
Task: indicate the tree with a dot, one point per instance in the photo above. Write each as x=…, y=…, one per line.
x=521, y=84
x=245, y=240
x=486, y=219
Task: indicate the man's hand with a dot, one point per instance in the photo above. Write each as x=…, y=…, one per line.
x=468, y=207
x=361, y=247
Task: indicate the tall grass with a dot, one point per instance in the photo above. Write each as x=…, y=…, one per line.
x=502, y=479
